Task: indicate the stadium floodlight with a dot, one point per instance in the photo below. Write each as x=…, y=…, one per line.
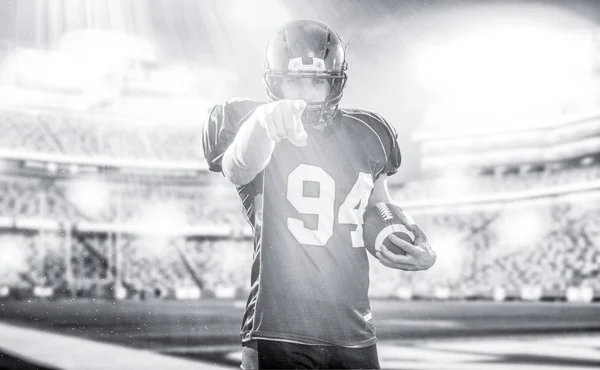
x=103, y=57
x=223, y=291
x=176, y=80
x=499, y=294
x=13, y=257
x=90, y=196
x=52, y=167
x=120, y=292
x=450, y=250
x=573, y=294
x=102, y=45
x=587, y=161
x=520, y=227
x=162, y=219
x=586, y=294
x=528, y=227
x=507, y=60
x=50, y=69
x=530, y=69
x=158, y=227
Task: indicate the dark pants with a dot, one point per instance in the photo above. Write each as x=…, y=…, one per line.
x=266, y=354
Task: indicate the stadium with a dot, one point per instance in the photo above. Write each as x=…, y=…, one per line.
x=119, y=249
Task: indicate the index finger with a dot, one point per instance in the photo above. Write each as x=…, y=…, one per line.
x=299, y=106
x=292, y=114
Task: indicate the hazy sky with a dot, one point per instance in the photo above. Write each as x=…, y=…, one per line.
x=382, y=36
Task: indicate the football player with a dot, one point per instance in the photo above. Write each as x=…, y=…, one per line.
x=306, y=170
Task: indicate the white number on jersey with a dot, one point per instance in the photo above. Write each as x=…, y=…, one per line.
x=353, y=208
x=350, y=212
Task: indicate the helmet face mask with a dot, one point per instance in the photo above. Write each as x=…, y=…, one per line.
x=307, y=49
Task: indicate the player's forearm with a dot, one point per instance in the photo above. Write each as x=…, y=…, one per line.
x=248, y=154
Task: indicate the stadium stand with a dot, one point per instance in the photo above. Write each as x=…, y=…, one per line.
x=481, y=247
x=46, y=198
x=75, y=135
x=464, y=184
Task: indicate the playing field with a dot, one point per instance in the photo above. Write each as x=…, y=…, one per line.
x=412, y=334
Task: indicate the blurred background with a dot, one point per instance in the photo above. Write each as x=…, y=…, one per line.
x=108, y=211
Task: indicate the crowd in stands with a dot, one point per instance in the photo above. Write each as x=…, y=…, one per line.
x=153, y=266
x=76, y=135
x=463, y=185
x=31, y=260
x=22, y=196
x=478, y=248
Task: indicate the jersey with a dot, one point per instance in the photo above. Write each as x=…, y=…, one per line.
x=310, y=274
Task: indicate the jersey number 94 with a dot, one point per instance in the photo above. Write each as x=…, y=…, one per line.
x=323, y=206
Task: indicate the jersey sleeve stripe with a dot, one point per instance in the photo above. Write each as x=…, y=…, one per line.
x=391, y=129
x=218, y=157
x=385, y=154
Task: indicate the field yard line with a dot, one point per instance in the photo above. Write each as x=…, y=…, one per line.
x=66, y=352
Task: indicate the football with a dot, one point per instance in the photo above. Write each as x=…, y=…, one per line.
x=382, y=220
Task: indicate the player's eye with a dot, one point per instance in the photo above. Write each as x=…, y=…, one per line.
x=300, y=83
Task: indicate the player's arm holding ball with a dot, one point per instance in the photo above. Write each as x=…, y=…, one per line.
x=419, y=254
x=251, y=150
x=412, y=254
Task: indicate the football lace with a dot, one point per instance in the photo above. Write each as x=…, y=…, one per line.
x=386, y=214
